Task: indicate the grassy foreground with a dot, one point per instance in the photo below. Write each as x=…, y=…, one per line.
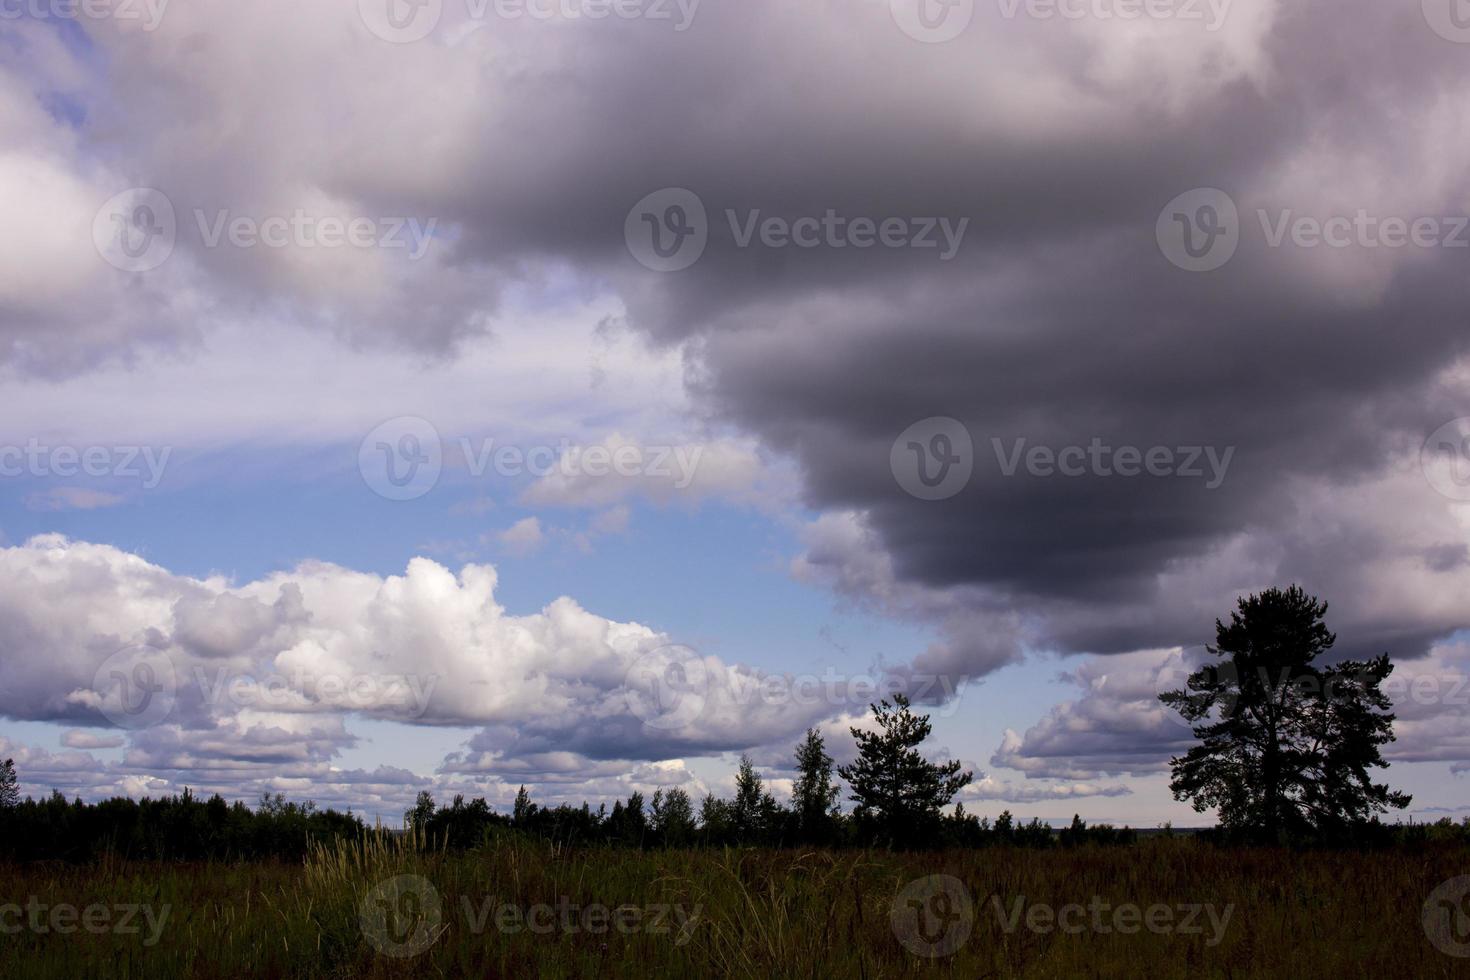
x=520, y=909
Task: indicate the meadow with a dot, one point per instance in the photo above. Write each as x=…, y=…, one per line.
x=385, y=906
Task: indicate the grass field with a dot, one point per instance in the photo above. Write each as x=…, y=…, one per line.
x=521, y=909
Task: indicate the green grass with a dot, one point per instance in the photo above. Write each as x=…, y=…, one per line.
x=761, y=913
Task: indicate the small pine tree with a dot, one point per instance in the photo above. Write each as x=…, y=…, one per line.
x=963, y=829
x=898, y=792
x=523, y=809
x=1075, y=835
x=814, y=796
x=1005, y=828
x=746, y=809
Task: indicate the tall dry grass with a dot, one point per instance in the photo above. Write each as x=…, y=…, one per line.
x=761, y=913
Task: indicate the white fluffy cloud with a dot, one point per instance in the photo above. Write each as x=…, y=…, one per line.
x=263, y=677
x=987, y=788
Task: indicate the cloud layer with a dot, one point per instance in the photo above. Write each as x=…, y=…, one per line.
x=209, y=680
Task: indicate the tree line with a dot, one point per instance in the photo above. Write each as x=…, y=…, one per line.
x=172, y=828
x=1285, y=755
x=899, y=801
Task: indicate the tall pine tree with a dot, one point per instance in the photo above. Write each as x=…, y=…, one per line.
x=1286, y=745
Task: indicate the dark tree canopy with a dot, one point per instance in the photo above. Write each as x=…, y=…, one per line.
x=423, y=810
x=753, y=813
x=523, y=809
x=1286, y=745
x=673, y=816
x=9, y=784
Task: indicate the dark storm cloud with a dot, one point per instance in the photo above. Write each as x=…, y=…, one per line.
x=1062, y=322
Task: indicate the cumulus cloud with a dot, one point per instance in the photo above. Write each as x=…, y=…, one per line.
x=214, y=680
x=385, y=791
x=1431, y=702
x=41, y=771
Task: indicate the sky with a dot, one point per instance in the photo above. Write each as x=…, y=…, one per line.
x=456, y=395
